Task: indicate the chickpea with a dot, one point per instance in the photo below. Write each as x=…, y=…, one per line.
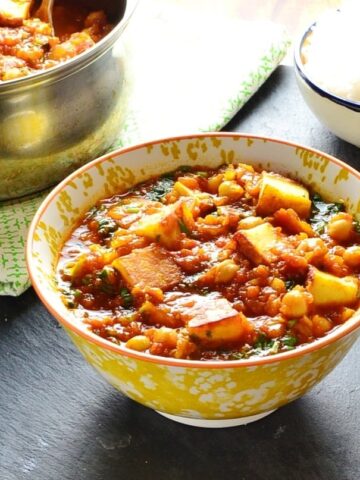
x=139, y=343
x=226, y=271
x=165, y=335
x=304, y=328
x=231, y=190
x=252, y=291
x=295, y=304
x=346, y=314
x=335, y=265
x=352, y=256
x=340, y=227
x=278, y=285
x=321, y=325
x=272, y=306
x=249, y=222
x=313, y=249
x=275, y=328
x=230, y=173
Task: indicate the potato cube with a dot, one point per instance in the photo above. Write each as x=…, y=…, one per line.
x=212, y=321
x=148, y=267
x=280, y=192
x=162, y=227
x=256, y=243
x=14, y=12
x=329, y=290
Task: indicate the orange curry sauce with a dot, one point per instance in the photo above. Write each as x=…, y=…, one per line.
x=213, y=264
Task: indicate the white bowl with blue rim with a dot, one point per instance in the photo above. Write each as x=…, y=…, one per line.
x=340, y=115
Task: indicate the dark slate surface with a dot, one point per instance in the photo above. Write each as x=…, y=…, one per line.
x=60, y=421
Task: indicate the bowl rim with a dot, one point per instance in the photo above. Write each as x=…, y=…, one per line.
x=72, y=65
x=336, y=334
x=299, y=67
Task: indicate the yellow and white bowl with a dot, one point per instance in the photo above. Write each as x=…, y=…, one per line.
x=212, y=393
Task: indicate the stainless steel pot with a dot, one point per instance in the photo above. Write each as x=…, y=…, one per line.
x=54, y=121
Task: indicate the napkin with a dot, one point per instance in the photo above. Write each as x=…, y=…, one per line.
x=188, y=69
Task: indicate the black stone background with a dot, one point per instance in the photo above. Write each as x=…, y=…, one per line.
x=60, y=421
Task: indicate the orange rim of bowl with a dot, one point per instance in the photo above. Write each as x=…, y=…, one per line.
x=336, y=334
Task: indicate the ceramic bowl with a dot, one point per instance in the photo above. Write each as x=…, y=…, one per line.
x=211, y=393
x=340, y=115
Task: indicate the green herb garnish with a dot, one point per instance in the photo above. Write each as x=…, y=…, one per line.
x=160, y=188
x=292, y=323
x=86, y=280
x=106, y=226
x=127, y=298
x=183, y=227
x=321, y=212
x=94, y=212
x=356, y=225
x=185, y=168
x=289, y=341
x=263, y=342
x=290, y=284
x=130, y=209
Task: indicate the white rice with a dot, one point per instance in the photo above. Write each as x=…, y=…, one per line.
x=331, y=54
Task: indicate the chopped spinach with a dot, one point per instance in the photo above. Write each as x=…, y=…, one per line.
x=108, y=279
x=127, y=298
x=185, y=168
x=321, y=212
x=107, y=288
x=161, y=187
x=131, y=209
x=267, y=346
x=94, y=212
x=356, y=224
x=106, y=226
x=87, y=279
x=289, y=341
x=292, y=322
x=263, y=342
x=169, y=175
x=70, y=296
x=183, y=227
x=290, y=284
x=104, y=274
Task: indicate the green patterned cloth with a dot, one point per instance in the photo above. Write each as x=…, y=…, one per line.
x=185, y=73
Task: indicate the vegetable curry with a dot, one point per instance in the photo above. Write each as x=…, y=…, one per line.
x=219, y=264
x=28, y=44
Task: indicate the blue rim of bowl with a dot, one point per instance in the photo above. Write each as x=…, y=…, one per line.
x=351, y=105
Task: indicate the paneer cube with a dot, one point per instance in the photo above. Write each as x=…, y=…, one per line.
x=331, y=291
x=212, y=321
x=256, y=243
x=148, y=267
x=14, y=12
x=280, y=192
x=162, y=227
